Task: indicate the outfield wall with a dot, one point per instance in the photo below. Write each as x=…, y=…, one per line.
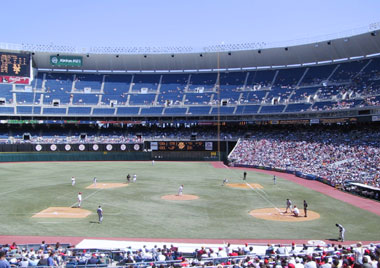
x=110, y=156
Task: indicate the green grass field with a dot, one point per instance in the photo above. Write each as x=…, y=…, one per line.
x=138, y=210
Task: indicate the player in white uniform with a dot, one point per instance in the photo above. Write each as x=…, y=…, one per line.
x=79, y=199
x=134, y=178
x=72, y=181
x=180, y=190
x=94, y=181
x=288, y=205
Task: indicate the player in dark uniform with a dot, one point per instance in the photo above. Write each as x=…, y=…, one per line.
x=341, y=232
x=100, y=214
x=244, y=175
x=305, y=205
x=128, y=178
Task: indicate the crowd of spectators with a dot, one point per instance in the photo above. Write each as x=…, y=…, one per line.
x=48, y=255
x=255, y=256
x=337, y=155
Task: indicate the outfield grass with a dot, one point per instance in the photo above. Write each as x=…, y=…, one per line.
x=138, y=210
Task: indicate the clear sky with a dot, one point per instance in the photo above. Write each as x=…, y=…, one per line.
x=86, y=23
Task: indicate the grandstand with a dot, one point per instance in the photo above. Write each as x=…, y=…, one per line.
x=308, y=116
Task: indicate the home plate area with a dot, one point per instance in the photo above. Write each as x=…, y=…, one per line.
x=62, y=212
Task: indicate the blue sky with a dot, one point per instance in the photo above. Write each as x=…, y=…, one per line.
x=86, y=23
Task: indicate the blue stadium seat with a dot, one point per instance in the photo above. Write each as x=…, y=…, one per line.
x=128, y=110
x=272, y=109
x=79, y=110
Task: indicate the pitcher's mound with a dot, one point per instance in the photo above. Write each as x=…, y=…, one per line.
x=107, y=185
x=62, y=212
x=273, y=214
x=245, y=185
x=180, y=197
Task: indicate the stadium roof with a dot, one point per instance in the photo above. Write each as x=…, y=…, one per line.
x=222, y=57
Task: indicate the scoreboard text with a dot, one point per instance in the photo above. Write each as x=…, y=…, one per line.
x=184, y=146
x=15, y=64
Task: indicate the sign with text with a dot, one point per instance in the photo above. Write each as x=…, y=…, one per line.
x=66, y=61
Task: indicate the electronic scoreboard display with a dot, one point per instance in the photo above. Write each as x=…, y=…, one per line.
x=14, y=64
x=184, y=146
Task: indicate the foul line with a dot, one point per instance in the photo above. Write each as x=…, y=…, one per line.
x=270, y=202
x=86, y=197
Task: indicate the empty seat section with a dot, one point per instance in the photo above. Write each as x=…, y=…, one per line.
x=172, y=88
x=7, y=110
x=79, y=110
x=85, y=98
x=5, y=92
x=198, y=98
x=28, y=110
x=177, y=111
x=315, y=75
x=288, y=77
x=259, y=79
x=128, y=110
x=271, y=109
x=253, y=96
x=116, y=88
x=28, y=98
x=151, y=110
x=297, y=107
x=142, y=99
x=53, y=111
x=230, y=96
x=38, y=81
x=247, y=109
x=347, y=71
x=223, y=110
x=199, y=110
x=58, y=87
x=146, y=82
x=233, y=81
x=103, y=111
x=93, y=81
x=202, y=82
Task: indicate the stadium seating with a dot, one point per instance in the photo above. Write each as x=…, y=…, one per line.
x=346, y=85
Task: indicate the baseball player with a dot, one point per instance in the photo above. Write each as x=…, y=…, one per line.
x=94, y=181
x=100, y=214
x=134, y=178
x=274, y=179
x=72, y=181
x=288, y=205
x=224, y=182
x=128, y=178
x=305, y=205
x=244, y=175
x=79, y=199
x=296, y=211
x=341, y=232
x=180, y=190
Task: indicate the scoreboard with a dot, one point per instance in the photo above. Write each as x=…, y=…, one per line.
x=182, y=146
x=14, y=64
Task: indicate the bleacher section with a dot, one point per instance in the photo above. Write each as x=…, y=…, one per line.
x=202, y=82
x=90, y=82
x=145, y=83
x=343, y=85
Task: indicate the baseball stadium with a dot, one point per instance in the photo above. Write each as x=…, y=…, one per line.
x=241, y=155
